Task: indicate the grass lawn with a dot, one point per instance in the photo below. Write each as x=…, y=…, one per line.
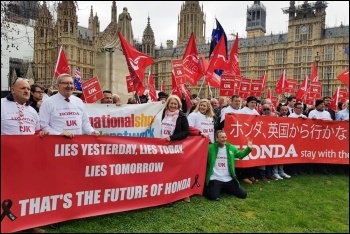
x=308, y=203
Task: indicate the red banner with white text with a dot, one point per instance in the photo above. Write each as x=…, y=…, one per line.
x=53, y=179
x=288, y=140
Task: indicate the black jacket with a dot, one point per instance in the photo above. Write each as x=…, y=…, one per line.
x=182, y=129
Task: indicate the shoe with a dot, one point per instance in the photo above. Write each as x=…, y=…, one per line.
x=277, y=176
x=272, y=178
x=187, y=199
x=37, y=230
x=247, y=181
x=253, y=179
x=264, y=179
x=285, y=175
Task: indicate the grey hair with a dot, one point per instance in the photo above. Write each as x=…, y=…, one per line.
x=61, y=76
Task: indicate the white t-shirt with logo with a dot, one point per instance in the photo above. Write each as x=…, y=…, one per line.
x=227, y=110
x=168, y=126
x=220, y=170
x=315, y=114
x=202, y=123
x=57, y=115
x=12, y=123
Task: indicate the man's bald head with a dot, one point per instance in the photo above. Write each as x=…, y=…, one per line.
x=21, y=90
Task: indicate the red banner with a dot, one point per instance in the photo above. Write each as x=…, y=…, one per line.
x=129, y=84
x=178, y=71
x=92, y=90
x=88, y=176
x=291, y=86
x=315, y=90
x=244, y=90
x=256, y=87
x=227, y=84
x=288, y=140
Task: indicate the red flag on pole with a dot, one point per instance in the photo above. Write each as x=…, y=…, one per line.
x=191, y=63
x=302, y=89
x=217, y=59
x=152, y=88
x=212, y=79
x=335, y=100
x=62, y=65
x=137, y=63
x=314, y=76
x=344, y=77
x=233, y=61
x=281, y=83
x=269, y=95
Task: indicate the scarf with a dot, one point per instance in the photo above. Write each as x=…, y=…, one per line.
x=173, y=114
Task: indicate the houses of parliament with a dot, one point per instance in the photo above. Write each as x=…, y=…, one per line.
x=99, y=53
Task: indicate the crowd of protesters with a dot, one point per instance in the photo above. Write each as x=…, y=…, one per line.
x=34, y=110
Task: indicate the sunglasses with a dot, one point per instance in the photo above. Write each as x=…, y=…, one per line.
x=267, y=109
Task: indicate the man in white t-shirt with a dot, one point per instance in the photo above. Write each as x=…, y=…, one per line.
x=19, y=118
x=250, y=108
x=319, y=112
x=234, y=107
x=64, y=113
x=220, y=174
x=298, y=111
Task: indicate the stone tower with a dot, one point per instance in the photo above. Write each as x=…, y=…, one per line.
x=191, y=19
x=148, y=41
x=256, y=20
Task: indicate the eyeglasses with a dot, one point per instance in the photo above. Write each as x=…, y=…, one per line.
x=39, y=92
x=66, y=83
x=267, y=109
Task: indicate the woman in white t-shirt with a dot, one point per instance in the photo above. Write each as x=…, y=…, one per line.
x=174, y=123
x=202, y=118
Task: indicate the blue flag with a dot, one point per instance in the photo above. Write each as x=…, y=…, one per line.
x=347, y=50
x=77, y=80
x=215, y=37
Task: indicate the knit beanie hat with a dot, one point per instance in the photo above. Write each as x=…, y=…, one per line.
x=251, y=98
x=318, y=102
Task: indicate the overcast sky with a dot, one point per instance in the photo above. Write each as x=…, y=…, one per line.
x=232, y=16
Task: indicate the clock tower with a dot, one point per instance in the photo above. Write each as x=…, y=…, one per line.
x=306, y=22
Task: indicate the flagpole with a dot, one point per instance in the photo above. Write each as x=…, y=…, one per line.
x=210, y=93
x=201, y=86
x=53, y=78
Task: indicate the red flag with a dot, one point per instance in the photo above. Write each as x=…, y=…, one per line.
x=335, y=100
x=273, y=100
x=233, y=61
x=212, y=79
x=187, y=95
x=314, y=76
x=151, y=87
x=218, y=57
x=302, y=89
x=176, y=90
x=344, y=77
x=269, y=95
x=137, y=63
x=62, y=65
x=162, y=87
x=281, y=83
x=191, y=63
